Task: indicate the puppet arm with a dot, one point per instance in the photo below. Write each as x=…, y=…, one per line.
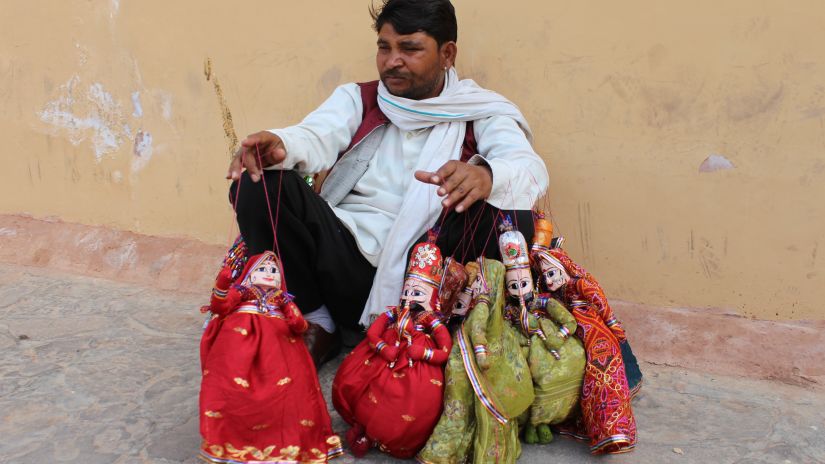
x=294, y=319
x=477, y=325
x=604, y=310
x=561, y=316
x=377, y=328
x=225, y=297
x=443, y=343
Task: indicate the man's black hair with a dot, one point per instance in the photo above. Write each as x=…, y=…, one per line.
x=433, y=17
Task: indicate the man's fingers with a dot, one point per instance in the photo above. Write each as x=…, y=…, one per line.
x=425, y=176
x=250, y=161
x=451, y=183
x=445, y=171
x=235, y=167
x=458, y=192
x=468, y=201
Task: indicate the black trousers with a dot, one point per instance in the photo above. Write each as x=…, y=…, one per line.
x=321, y=260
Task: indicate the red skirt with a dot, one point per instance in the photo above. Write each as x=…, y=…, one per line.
x=607, y=416
x=260, y=400
x=397, y=407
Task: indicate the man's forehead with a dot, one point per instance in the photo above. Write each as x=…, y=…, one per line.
x=388, y=34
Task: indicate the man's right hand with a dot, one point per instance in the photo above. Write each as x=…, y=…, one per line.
x=268, y=145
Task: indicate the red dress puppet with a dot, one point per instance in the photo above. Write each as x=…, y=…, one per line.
x=260, y=400
x=607, y=418
x=390, y=387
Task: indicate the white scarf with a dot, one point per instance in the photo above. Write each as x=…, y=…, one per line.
x=460, y=101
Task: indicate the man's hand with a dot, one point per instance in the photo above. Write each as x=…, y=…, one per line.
x=268, y=145
x=463, y=184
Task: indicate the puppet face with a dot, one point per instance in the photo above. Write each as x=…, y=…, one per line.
x=554, y=276
x=519, y=282
x=266, y=275
x=465, y=298
x=462, y=303
x=416, y=291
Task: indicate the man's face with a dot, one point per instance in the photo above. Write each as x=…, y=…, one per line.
x=416, y=291
x=412, y=65
x=519, y=282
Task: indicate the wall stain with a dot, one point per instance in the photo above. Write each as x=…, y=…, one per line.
x=584, y=230
x=691, y=246
x=330, y=80
x=748, y=106
x=226, y=115
x=660, y=233
x=708, y=259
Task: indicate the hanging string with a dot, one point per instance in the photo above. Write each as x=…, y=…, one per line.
x=234, y=222
x=471, y=236
x=273, y=221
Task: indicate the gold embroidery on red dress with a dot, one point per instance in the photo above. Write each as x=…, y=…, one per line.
x=241, y=331
x=213, y=414
x=241, y=382
x=284, y=381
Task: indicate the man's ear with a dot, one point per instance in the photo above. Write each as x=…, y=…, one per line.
x=448, y=53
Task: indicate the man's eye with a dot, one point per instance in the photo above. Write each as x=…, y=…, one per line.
x=524, y=284
x=418, y=293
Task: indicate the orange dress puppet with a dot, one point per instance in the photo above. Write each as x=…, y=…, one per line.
x=260, y=400
x=607, y=419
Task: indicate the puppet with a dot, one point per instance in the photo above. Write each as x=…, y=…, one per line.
x=260, y=400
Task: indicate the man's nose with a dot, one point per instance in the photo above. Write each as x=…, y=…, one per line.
x=395, y=60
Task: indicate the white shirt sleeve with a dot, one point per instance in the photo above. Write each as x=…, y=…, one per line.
x=519, y=174
x=314, y=144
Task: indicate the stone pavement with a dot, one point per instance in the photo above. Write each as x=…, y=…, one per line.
x=94, y=371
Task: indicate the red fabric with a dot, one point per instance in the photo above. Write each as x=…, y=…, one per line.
x=397, y=407
x=607, y=416
x=260, y=399
x=373, y=117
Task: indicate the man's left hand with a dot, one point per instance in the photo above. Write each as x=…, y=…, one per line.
x=463, y=184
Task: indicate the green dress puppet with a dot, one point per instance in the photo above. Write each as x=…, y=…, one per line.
x=546, y=329
x=487, y=380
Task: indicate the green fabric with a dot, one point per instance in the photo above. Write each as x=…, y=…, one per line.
x=557, y=382
x=466, y=430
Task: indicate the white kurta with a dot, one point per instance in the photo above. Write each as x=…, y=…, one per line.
x=369, y=211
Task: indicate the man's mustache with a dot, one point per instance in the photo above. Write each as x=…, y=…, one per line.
x=396, y=74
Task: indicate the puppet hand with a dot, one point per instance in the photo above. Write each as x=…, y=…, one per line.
x=415, y=352
x=389, y=353
x=462, y=183
x=427, y=319
x=553, y=342
x=483, y=361
x=224, y=279
x=257, y=151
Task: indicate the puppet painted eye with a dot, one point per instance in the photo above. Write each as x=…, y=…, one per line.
x=524, y=284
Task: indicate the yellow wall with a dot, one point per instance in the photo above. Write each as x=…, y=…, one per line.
x=627, y=99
